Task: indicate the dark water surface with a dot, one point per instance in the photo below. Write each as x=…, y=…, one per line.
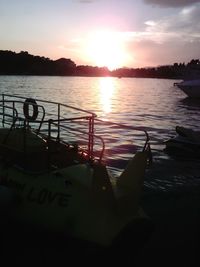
x=154, y=104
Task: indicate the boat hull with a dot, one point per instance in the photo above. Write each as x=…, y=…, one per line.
x=186, y=143
x=190, y=88
x=70, y=202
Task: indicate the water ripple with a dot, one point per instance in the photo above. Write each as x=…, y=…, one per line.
x=154, y=104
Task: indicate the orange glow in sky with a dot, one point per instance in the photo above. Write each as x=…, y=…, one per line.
x=113, y=34
x=106, y=49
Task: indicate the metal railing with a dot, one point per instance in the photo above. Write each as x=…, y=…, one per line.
x=146, y=145
x=13, y=107
x=64, y=123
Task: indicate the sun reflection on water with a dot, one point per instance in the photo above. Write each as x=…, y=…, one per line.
x=106, y=92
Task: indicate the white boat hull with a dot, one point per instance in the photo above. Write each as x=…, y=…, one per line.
x=190, y=88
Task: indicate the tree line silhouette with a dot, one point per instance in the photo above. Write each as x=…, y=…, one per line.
x=23, y=63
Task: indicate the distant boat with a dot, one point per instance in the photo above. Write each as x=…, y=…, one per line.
x=191, y=87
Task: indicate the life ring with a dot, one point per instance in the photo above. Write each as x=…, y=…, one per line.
x=33, y=103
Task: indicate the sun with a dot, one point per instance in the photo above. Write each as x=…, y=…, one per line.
x=105, y=49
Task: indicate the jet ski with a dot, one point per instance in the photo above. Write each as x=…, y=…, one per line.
x=185, y=142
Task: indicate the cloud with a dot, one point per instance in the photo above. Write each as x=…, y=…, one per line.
x=170, y=39
x=174, y=38
x=86, y=1
x=172, y=3
x=184, y=24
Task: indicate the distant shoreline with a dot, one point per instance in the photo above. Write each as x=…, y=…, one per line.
x=23, y=63
x=90, y=76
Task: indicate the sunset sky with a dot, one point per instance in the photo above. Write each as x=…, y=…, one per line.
x=113, y=33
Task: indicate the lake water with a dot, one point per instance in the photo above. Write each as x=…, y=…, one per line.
x=154, y=104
